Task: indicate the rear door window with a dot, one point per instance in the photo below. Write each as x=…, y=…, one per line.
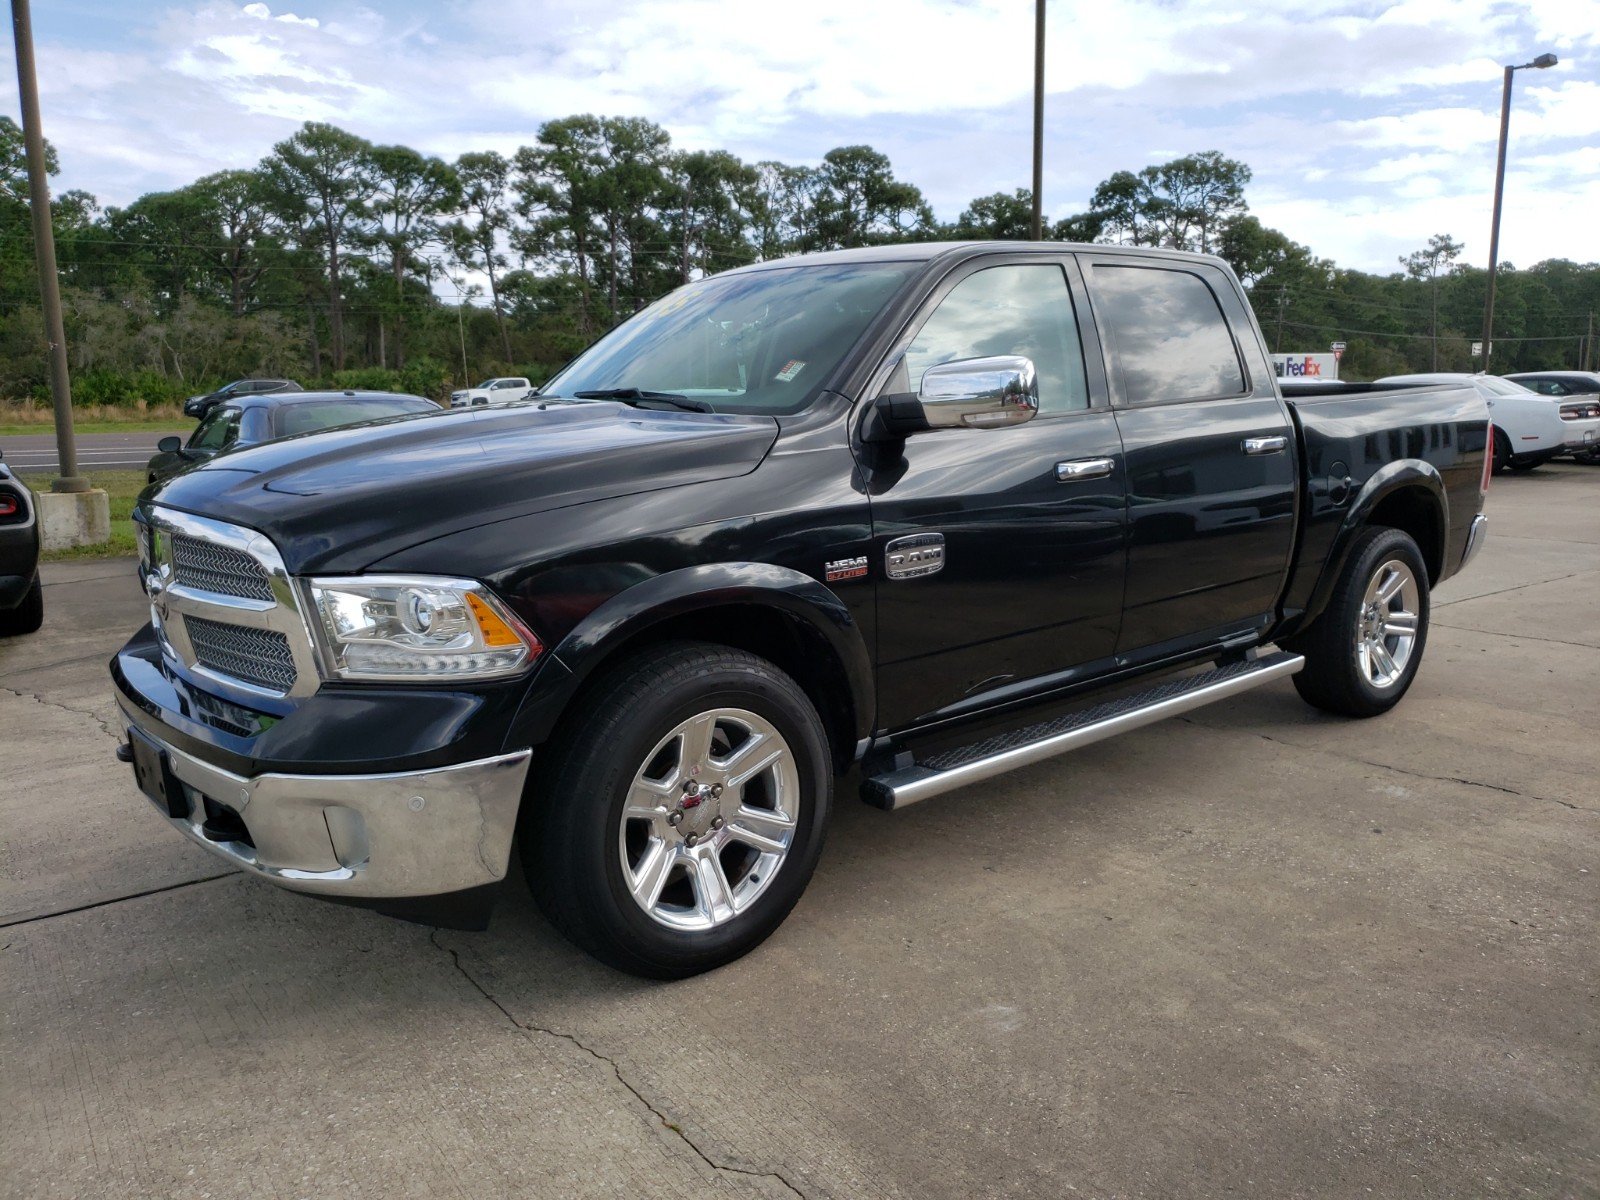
x=1169, y=335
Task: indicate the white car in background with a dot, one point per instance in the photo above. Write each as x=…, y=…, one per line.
x=492, y=391
x=1529, y=429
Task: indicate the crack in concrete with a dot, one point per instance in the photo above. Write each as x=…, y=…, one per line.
x=616, y=1070
x=155, y=891
x=1383, y=766
x=1513, y=588
x=82, y=712
x=1526, y=637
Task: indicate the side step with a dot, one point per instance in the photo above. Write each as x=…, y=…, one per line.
x=951, y=769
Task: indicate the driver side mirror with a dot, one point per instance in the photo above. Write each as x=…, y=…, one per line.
x=970, y=393
x=170, y=444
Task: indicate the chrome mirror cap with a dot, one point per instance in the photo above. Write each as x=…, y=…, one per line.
x=980, y=393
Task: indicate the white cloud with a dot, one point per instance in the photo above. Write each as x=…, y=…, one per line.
x=1368, y=124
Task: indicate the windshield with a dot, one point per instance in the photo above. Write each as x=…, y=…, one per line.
x=1501, y=387
x=487, y=383
x=762, y=342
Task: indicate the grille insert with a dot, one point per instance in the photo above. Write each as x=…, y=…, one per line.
x=214, y=568
x=258, y=656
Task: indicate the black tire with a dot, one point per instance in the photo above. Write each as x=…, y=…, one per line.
x=1334, y=678
x=27, y=616
x=1502, y=450
x=573, y=836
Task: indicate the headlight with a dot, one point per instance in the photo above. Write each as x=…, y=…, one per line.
x=404, y=627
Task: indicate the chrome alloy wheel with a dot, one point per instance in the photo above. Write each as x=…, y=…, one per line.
x=1386, y=633
x=709, y=819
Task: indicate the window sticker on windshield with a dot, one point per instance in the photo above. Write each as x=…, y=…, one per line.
x=790, y=369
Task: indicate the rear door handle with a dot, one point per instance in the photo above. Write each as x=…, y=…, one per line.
x=1266, y=445
x=1084, y=468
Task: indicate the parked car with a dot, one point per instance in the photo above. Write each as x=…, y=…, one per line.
x=935, y=512
x=199, y=406
x=492, y=391
x=1569, y=386
x=1529, y=429
x=263, y=417
x=21, y=590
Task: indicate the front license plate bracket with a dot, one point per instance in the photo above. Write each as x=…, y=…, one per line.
x=153, y=772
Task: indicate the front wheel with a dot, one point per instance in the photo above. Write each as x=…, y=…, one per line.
x=1364, y=650
x=683, y=811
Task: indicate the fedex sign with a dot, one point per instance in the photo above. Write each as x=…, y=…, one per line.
x=1306, y=366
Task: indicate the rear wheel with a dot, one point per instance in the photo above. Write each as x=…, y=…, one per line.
x=1364, y=650
x=683, y=813
x=27, y=616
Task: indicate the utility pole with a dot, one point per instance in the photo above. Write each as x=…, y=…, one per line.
x=1588, y=345
x=44, y=252
x=1283, y=303
x=1038, y=120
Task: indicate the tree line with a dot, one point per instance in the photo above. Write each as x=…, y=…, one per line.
x=338, y=260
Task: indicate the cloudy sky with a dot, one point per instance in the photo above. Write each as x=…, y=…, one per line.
x=1369, y=125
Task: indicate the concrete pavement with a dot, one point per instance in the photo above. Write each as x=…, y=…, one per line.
x=1258, y=952
x=35, y=453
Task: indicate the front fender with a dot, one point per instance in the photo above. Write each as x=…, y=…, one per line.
x=686, y=591
x=1383, y=483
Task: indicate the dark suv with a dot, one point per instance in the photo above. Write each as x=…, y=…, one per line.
x=199, y=406
x=249, y=420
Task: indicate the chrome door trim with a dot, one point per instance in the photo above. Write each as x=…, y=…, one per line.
x=1084, y=468
x=1276, y=444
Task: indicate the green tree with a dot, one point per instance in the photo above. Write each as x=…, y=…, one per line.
x=320, y=181
x=859, y=202
x=411, y=193
x=1426, y=266
x=1002, y=216
x=476, y=240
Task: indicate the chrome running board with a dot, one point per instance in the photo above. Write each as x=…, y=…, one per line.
x=951, y=769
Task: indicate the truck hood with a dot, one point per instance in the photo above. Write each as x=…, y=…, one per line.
x=340, y=500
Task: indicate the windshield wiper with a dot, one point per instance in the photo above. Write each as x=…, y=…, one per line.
x=643, y=399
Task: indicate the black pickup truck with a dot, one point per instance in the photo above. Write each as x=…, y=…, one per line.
x=911, y=516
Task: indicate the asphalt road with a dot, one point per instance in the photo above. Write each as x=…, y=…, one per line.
x=1257, y=953
x=35, y=453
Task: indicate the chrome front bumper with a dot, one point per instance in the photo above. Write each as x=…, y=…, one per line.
x=406, y=834
x=1475, y=536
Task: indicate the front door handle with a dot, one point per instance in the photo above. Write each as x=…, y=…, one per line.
x=1084, y=468
x=1266, y=445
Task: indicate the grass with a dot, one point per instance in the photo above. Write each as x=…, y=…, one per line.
x=123, y=488
x=17, y=419
x=151, y=425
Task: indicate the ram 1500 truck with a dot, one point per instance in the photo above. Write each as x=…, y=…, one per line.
x=910, y=516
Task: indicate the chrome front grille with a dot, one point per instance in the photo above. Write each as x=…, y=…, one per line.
x=224, y=606
x=214, y=568
x=258, y=656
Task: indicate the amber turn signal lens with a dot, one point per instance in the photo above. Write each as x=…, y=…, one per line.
x=495, y=631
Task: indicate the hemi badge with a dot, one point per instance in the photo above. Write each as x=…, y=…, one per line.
x=845, y=568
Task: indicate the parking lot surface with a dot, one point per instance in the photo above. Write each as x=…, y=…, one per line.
x=1255, y=952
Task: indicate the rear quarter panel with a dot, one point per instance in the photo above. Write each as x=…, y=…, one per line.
x=1357, y=450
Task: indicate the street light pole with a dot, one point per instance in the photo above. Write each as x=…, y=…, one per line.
x=44, y=252
x=1038, y=120
x=1543, y=61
